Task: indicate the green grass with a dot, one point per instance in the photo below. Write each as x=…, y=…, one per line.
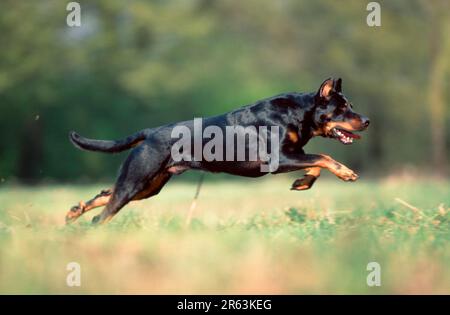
x=249, y=236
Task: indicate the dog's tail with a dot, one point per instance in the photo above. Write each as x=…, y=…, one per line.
x=106, y=145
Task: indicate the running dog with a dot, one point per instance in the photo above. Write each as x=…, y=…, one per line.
x=299, y=116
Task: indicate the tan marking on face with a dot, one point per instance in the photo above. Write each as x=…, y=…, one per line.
x=346, y=125
x=317, y=132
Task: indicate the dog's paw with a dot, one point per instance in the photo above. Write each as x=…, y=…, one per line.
x=300, y=187
x=71, y=217
x=304, y=183
x=74, y=213
x=347, y=174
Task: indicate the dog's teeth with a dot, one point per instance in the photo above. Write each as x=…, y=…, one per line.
x=346, y=139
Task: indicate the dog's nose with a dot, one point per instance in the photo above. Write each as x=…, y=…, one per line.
x=366, y=122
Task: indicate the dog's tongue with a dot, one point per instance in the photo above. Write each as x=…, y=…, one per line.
x=350, y=135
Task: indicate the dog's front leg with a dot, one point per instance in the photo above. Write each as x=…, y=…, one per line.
x=306, y=182
x=313, y=163
x=338, y=169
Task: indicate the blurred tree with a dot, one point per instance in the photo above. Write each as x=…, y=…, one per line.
x=439, y=20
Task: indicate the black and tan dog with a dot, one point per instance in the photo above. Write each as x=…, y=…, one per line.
x=300, y=117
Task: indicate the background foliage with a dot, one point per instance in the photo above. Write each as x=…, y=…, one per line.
x=137, y=64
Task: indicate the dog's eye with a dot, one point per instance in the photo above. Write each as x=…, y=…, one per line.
x=343, y=106
x=324, y=117
x=346, y=105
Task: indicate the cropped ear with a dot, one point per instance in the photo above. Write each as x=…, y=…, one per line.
x=338, y=85
x=326, y=89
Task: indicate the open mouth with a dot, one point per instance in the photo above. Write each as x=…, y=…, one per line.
x=346, y=137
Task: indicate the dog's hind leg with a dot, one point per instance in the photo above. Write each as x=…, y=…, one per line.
x=152, y=188
x=99, y=200
x=142, y=175
x=308, y=179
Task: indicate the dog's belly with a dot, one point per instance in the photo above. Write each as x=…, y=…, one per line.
x=239, y=168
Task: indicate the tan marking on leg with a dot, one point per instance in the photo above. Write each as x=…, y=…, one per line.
x=177, y=169
x=338, y=169
x=154, y=184
x=152, y=188
x=314, y=171
x=293, y=136
x=98, y=201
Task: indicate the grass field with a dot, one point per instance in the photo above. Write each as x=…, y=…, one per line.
x=246, y=236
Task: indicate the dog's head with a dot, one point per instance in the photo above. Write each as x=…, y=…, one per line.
x=334, y=116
